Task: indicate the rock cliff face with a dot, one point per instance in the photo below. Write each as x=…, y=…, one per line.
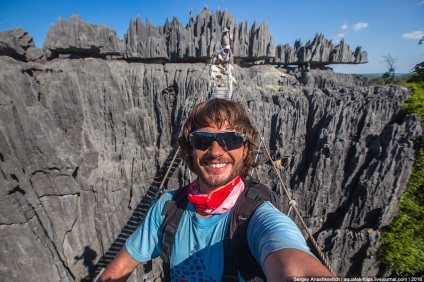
x=318, y=53
x=85, y=143
x=196, y=41
x=172, y=42
x=19, y=45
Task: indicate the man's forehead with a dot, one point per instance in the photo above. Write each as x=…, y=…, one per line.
x=222, y=126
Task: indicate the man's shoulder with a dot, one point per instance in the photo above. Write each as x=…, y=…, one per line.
x=260, y=191
x=168, y=195
x=165, y=197
x=268, y=207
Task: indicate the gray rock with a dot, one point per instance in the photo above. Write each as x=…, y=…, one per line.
x=145, y=42
x=76, y=37
x=318, y=53
x=19, y=44
x=86, y=139
x=192, y=43
x=84, y=142
x=35, y=55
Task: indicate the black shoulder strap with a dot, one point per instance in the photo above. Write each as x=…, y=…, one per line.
x=237, y=249
x=173, y=211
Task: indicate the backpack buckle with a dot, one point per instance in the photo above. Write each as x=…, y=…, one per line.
x=242, y=217
x=252, y=194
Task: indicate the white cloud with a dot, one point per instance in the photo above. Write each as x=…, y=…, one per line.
x=420, y=3
x=338, y=37
x=360, y=26
x=344, y=26
x=413, y=35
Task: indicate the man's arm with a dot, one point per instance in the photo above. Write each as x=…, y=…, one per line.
x=284, y=263
x=120, y=268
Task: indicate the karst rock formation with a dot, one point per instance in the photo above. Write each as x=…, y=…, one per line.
x=88, y=127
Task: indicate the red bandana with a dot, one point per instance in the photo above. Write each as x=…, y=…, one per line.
x=208, y=202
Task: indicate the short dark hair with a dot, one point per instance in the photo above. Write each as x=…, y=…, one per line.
x=219, y=112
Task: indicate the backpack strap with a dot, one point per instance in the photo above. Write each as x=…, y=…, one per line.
x=230, y=269
x=237, y=251
x=173, y=211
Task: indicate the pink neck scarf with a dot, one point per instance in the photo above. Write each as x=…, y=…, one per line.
x=217, y=202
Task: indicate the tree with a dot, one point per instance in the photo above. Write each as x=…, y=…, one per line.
x=417, y=74
x=391, y=68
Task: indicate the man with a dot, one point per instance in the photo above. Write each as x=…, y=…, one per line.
x=226, y=38
x=223, y=57
x=217, y=143
x=224, y=54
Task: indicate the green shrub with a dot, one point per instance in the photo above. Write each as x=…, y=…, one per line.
x=403, y=240
x=415, y=103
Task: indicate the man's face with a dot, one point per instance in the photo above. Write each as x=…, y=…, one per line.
x=215, y=166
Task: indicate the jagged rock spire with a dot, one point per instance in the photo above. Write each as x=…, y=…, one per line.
x=194, y=42
x=320, y=51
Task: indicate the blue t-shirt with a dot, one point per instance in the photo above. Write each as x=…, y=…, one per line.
x=198, y=252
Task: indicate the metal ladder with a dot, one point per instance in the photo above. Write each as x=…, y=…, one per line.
x=222, y=92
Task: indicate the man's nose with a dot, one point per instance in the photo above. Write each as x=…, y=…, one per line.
x=216, y=150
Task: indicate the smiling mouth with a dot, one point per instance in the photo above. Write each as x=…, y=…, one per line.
x=220, y=165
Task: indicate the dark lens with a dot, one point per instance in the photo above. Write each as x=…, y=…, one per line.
x=228, y=140
x=232, y=140
x=201, y=140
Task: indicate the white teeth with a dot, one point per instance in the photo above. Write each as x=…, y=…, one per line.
x=217, y=165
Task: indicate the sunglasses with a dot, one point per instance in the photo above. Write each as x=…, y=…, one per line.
x=229, y=140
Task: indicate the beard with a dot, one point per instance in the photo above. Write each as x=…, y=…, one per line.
x=214, y=182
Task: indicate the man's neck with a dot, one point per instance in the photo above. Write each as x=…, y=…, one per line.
x=206, y=189
x=202, y=214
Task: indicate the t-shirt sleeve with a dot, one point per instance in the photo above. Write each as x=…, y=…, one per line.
x=145, y=244
x=270, y=230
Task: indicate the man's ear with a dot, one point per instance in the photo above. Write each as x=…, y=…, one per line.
x=245, y=151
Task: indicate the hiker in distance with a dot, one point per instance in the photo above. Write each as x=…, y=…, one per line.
x=217, y=143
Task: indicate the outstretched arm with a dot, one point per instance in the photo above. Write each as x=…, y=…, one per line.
x=120, y=268
x=284, y=263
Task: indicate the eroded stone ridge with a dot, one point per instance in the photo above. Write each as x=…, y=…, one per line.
x=19, y=44
x=76, y=37
x=84, y=144
x=174, y=42
x=319, y=52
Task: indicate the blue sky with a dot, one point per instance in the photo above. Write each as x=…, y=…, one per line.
x=381, y=27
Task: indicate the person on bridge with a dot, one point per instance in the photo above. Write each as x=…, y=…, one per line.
x=226, y=38
x=223, y=57
x=218, y=144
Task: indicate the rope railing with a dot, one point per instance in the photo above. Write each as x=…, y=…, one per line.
x=165, y=177
x=314, y=242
